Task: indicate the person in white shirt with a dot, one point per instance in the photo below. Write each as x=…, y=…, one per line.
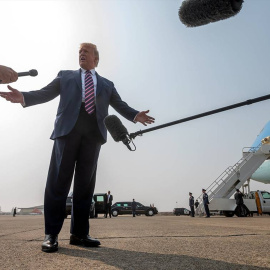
x=109, y=199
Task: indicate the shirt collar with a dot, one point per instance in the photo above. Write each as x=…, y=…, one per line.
x=92, y=71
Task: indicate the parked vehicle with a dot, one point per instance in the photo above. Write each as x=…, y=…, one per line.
x=256, y=202
x=69, y=206
x=124, y=208
x=100, y=203
x=181, y=211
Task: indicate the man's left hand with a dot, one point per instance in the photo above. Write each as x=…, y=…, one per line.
x=143, y=118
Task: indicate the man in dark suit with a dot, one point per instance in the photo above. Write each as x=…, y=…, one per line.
x=109, y=199
x=14, y=212
x=133, y=207
x=191, y=204
x=78, y=134
x=241, y=208
x=206, y=203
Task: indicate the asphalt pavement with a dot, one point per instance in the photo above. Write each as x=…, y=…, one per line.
x=159, y=242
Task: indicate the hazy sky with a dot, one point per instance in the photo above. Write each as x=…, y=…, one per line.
x=156, y=63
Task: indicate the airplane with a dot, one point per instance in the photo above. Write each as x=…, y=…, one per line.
x=263, y=172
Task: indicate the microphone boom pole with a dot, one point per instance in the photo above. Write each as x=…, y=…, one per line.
x=230, y=107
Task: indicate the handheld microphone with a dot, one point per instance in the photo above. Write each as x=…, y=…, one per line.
x=194, y=13
x=32, y=72
x=117, y=130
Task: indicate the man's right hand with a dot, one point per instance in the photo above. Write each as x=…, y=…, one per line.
x=14, y=96
x=7, y=75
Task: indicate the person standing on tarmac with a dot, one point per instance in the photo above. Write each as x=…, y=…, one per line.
x=133, y=208
x=14, y=212
x=108, y=199
x=241, y=208
x=205, y=203
x=196, y=207
x=191, y=204
x=79, y=132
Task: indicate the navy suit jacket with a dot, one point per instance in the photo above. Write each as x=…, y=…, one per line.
x=110, y=200
x=191, y=201
x=205, y=199
x=68, y=85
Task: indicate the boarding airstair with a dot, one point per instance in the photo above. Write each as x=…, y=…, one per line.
x=235, y=176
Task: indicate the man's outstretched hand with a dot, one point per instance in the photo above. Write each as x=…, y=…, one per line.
x=14, y=96
x=143, y=118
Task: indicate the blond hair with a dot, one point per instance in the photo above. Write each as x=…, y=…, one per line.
x=94, y=48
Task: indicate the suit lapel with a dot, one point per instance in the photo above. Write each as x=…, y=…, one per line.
x=78, y=78
x=99, y=84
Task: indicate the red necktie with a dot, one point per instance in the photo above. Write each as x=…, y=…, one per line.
x=89, y=93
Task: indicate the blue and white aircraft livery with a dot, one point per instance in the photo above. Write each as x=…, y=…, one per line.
x=263, y=173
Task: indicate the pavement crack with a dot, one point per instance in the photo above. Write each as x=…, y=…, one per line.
x=169, y=236
x=149, y=236
x=181, y=236
x=13, y=233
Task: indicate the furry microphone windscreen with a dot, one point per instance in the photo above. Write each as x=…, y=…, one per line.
x=115, y=127
x=194, y=13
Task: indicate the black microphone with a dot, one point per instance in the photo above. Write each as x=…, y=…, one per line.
x=194, y=13
x=117, y=130
x=32, y=72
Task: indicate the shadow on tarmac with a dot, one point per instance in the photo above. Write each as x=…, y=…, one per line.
x=124, y=259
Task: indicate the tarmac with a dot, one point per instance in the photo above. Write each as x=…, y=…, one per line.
x=159, y=242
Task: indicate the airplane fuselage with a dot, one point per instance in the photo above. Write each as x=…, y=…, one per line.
x=263, y=172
